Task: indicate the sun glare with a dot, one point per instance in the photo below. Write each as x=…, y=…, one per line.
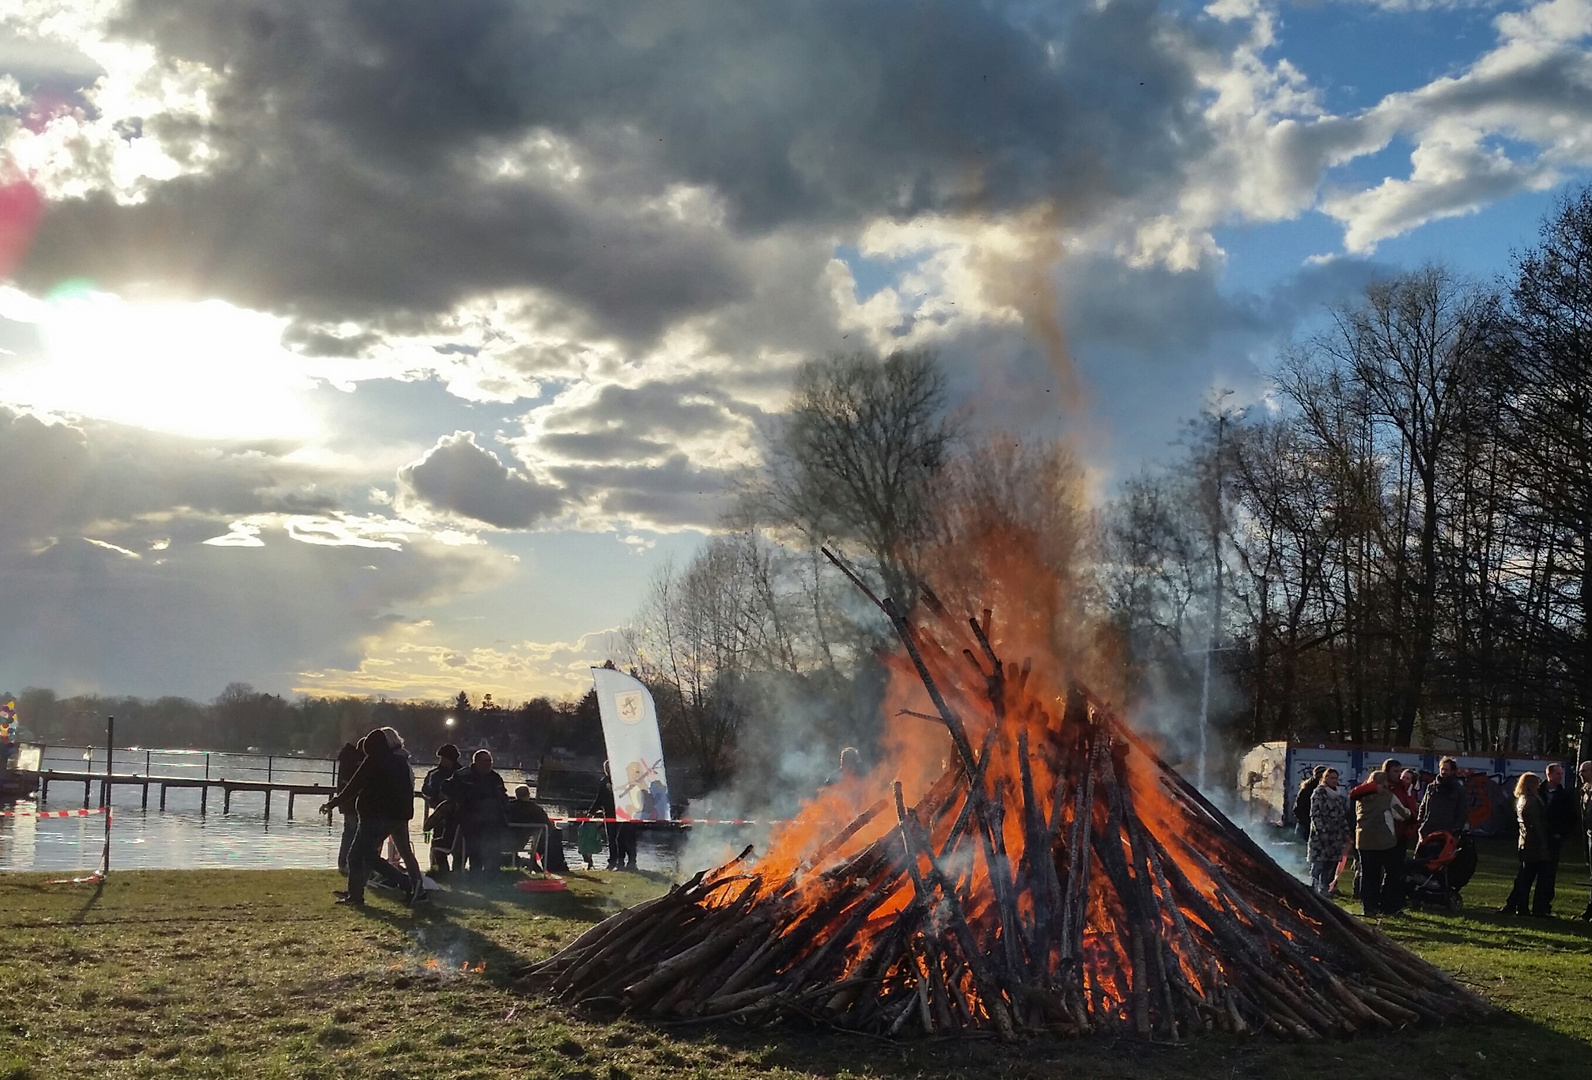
x=207, y=369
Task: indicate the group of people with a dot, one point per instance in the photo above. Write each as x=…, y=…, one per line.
x=1378, y=822
x=1548, y=815
x=473, y=823
x=467, y=809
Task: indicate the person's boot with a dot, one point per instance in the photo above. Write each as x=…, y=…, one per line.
x=1586, y=916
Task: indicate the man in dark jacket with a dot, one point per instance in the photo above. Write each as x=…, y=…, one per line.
x=524, y=812
x=440, y=789
x=1560, y=819
x=1445, y=807
x=483, y=806
x=382, y=795
x=1301, y=806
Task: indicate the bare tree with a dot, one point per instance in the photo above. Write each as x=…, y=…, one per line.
x=1552, y=403
x=856, y=457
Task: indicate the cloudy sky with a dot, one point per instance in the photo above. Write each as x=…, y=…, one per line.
x=390, y=346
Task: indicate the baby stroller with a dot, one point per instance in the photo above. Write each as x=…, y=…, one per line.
x=1442, y=865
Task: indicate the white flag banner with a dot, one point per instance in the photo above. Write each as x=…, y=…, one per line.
x=635, y=750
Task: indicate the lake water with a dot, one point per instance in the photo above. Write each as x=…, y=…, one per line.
x=181, y=838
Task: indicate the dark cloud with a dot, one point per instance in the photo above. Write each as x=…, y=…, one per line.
x=682, y=409
x=60, y=476
x=457, y=476
x=679, y=493
x=357, y=143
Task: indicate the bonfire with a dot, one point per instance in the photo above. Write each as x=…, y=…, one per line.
x=1052, y=875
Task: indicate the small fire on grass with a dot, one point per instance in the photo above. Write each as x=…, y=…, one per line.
x=1048, y=873
x=431, y=963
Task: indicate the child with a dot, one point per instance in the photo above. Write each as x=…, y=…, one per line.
x=589, y=841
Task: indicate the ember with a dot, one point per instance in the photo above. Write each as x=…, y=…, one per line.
x=1057, y=876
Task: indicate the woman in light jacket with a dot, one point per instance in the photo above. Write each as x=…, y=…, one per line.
x=1377, y=814
x=1532, y=813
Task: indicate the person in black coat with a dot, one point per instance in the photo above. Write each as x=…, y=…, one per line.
x=1560, y=819
x=1301, y=806
x=348, y=759
x=382, y=793
x=441, y=790
x=482, y=812
x=525, y=811
x=602, y=808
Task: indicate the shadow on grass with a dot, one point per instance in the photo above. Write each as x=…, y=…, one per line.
x=1471, y=1052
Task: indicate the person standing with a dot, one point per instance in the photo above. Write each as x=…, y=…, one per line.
x=1445, y=806
x=1560, y=818
x=1405, y=828
x=348, y=759
x=1330, y=831
x=1302, y=807
x=602, y=807
x=1377, y=813
x=381, y=801
x=1586, y=824
x=440, y=791
x=404, y=778
x=483, y=813
x=1532, y=845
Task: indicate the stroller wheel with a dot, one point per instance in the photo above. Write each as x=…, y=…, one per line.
x=1455, y=902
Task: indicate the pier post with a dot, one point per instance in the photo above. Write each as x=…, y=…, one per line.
x=267, y=804
x=270, y=762
x=44, y=791
x=145, y=805
x=204, y=795
x=226, y=799
x=88, y=788
x=207, y=766
x=163, y=796
x=290, y=794
x=110, y=756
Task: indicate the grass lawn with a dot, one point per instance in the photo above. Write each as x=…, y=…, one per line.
x=255, y=974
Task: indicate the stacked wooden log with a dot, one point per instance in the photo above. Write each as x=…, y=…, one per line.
x=1058, y=877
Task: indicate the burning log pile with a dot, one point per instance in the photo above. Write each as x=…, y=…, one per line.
x=1058, y=877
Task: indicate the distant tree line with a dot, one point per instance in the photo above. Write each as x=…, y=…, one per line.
x=241, y=719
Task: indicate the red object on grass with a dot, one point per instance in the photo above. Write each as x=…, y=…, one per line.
x=550, y=884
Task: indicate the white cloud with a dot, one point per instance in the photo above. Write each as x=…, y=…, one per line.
x=113, y=547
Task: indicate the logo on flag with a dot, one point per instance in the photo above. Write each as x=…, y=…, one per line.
x=629, y=706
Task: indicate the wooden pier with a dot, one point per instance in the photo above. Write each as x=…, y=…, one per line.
x=164, y=783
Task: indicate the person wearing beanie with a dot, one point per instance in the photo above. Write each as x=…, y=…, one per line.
x=440, y=791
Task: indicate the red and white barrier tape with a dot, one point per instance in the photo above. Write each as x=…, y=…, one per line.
x=675, y=821
x=52, y=813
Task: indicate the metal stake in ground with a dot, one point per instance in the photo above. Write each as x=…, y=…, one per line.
x=110, y=737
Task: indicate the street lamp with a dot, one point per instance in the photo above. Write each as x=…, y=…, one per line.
x=447, y=721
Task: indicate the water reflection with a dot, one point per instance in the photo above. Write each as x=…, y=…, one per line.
x=180, y=838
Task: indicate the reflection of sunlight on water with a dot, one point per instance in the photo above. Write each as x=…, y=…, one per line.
x=181, y=839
